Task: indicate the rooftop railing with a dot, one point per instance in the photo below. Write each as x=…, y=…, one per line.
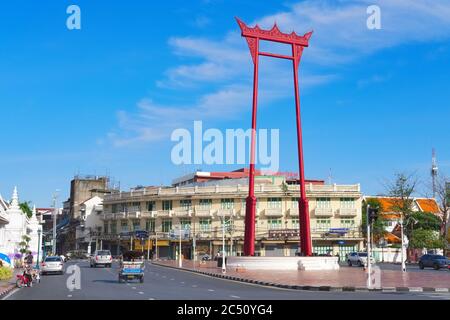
x=237, y=189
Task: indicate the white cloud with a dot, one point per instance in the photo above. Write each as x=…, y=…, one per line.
x=340, y=37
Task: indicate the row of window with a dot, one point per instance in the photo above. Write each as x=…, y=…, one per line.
x=205, y=224
x=272, y=203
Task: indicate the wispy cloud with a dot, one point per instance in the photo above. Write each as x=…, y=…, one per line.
x=340, y=37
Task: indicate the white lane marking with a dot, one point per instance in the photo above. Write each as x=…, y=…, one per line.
x=235, y=297
x=141, y=292
x=10, y=294
x=172, y=279
x=195, y=286
x=134, y=288
x=152, y=299
x=210, y=290
x=182, y=282
x=69, y=296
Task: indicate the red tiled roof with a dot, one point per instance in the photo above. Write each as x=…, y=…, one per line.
x=428, y=205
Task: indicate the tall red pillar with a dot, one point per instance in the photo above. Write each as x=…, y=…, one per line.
x=253, y=36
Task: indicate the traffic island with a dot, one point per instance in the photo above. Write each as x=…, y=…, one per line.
x=344, y=280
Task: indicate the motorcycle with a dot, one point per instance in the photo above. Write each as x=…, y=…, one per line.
x=24, y=281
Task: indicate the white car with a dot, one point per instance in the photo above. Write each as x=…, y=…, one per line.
x=359, y=259
x=52, y=265
x=101, y=257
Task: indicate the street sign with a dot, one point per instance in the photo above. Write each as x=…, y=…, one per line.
x=284, y=233
x=175, y=234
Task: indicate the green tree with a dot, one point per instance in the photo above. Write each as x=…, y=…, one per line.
x=378, y=228
x=402, y=190
x=422, y=238
x=25, y=207
x=425, y=221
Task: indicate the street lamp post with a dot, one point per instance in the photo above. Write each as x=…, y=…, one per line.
x=55, y=196
x=224, y=267
x=39, y=248
x=148, y=247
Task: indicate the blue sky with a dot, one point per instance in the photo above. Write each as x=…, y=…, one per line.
x=104, y=99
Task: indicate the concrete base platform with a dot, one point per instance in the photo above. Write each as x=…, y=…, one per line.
x=283, y=263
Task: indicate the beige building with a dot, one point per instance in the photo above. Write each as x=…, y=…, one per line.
x=335, y=212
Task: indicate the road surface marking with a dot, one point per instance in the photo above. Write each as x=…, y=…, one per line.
x=182, y=282
x=172, y=279
x=134, y=288
x=210, y=290
x=235, y=297
x=69, y=296
x=195, y=286
x=152, y=299
x=141, y=292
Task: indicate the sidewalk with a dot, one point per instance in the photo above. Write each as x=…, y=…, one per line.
x=346, y=279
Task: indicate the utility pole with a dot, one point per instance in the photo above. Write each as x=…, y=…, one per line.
x=434, y=172
x=403, y=246
x=369, y=267
x=156, y=245
x=55, y=196
x=180, y=262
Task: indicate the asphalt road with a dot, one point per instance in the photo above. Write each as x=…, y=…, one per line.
x=169, y=284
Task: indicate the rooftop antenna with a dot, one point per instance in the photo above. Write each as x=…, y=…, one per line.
x=434, y=171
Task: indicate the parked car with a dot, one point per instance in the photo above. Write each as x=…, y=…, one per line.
x=433, y=261
x=52, y=265
x=101, y=257
x=358, y=258
x=205, y=257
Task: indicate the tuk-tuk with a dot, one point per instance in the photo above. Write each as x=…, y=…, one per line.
x=132, y=266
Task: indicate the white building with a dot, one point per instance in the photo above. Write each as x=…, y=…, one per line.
x=87, y=233
x=14, y=225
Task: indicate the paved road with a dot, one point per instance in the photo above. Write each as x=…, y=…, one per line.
x=169, y=284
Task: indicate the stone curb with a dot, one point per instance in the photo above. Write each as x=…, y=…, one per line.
x=7, y=290
x=311, y=288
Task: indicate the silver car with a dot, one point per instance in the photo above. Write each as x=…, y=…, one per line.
x=359, y=259
x=101, y=257
x=52, y=265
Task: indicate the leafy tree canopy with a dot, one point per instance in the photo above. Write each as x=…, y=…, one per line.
x=25, y=207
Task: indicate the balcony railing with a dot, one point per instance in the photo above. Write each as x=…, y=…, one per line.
x=165, y=213
x=149, y=214
x=226, y=212
x=323, y=212
x=199, y=212
x=348, y=212
x=183, y=213
x=293, y=212
x=273, y=212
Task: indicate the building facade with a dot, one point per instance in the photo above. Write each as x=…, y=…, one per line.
x=14, y=226
x=210, y=209
x=82, y=188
